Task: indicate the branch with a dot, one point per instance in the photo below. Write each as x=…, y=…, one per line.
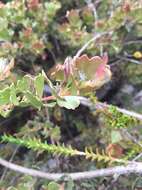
x=136, y=141
x=130, y=113
x=92, y=6
x=47, y=98
x=11, y=159
x=129, y=60
x=87, y=102
x=97, y=36
x=119, y=170
x=133, y=42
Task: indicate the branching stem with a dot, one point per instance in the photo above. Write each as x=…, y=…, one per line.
x=119, y=170
x=97, y=36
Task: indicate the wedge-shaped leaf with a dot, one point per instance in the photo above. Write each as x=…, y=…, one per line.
x=33, y=100
x=114, y=150
x=74, y=18
x=55, y=133
x=92, y=73
x=5, y=96
x=13, y=97
x=87, y=15
x=5, y=34
x=63, y=72
x=69, y=102
x=137, y=15
x=53, y=186
x=115, y=137
x=57, y=73
x=86, y=73
x=52, y=7
x=22, y=85
x=5, y=110
x=39, y=85
x=50, y=105
x=33, y=4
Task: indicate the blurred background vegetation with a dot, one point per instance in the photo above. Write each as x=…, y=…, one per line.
x=39, y=34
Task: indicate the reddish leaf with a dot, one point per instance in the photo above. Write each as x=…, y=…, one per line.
x=73, y=16
x=114, y=150
x=27, y=32
x=6, y=72
x=126, y=7
x=62, y=72
x=1, y=5
x=86, y=74
x=57, y=72
x=68, y=67
x=33, y=4
x=92, y=72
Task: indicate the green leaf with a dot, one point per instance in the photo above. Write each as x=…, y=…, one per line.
x=55, y=133
x=53, y=186
x=52, y=7
x=22, y=85
x=70, y=185
x=69, y=102
x=23, y=104
x=74, y=18
x=4, y=96
x=39, y=85
x=12, y=188
x=33, y=100
x=3, y=23
x=13, y=97
x=92, y=72
x=50, y=105
x=5, y=35
x=49, y=83
x=5, y=112
x=115, y=137
x=137, y=15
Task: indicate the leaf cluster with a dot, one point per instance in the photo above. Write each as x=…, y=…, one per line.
x=82, y=23
x=24, y=25
x=26, y=91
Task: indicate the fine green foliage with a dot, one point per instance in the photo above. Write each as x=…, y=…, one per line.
x=36, y=145
x=63, y=150
x=117, y=120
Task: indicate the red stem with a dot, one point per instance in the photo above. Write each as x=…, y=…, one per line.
x=47, y=98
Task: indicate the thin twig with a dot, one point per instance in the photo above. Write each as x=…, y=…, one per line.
x=132, y=138
x=11, y=159
x=130, y=113
x=120, y=170
x=130, y=60
x=138, y=157
x=97, y=36
x=47, y=98
x=133, y=42
x=92, y=6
